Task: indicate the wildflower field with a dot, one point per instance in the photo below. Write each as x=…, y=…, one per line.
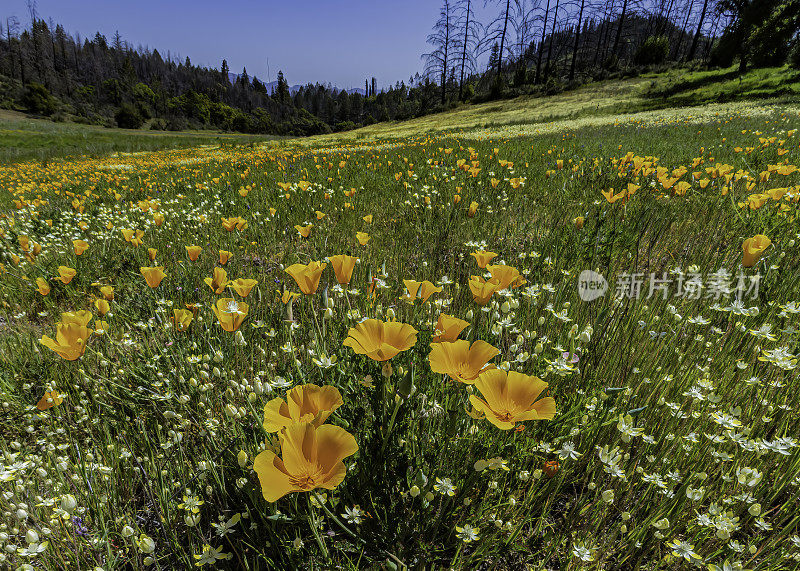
x=569, y=350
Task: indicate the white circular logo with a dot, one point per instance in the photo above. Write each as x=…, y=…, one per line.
x=591, y=285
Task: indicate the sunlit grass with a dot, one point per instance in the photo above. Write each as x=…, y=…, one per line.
x=673, y=441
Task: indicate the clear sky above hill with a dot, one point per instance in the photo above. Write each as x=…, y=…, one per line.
x=336, y=41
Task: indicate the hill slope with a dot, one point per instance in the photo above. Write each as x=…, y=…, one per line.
x=652, y=97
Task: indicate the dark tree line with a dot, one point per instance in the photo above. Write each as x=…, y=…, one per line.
x=530, y=45
x=552, y=43
x=46, y=71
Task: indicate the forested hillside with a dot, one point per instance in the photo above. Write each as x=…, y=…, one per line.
x=538, y=46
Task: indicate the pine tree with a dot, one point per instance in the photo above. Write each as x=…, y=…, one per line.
x=224, y=72
x=283, y=88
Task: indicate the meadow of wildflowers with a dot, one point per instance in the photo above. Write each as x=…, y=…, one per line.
x=380, y=355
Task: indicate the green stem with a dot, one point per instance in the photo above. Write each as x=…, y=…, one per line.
x=353, y=534
x=314, y=529
x=397, y=403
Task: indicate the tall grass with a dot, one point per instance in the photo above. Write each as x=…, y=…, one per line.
x=674, y=439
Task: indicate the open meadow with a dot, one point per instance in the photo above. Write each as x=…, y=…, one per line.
x=514, y=345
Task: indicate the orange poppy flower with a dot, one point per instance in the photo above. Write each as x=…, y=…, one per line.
x=307, y=276
x=304, y=403
x=380, y=341
x=312, y=458
x=460, y=361
x=153, y=276
x=343, y=266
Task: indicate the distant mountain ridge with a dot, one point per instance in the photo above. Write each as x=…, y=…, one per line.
x=272, y=85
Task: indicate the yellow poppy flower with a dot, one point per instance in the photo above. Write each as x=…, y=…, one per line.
x=307, y=276
x=79, y=246
x=108, y=292
x=42, y=286
x=151, y=253
x=289, y=296
x=304, y=230
x=312, y=458
x=363, y=238
x=153, y=276
x=367, y=218
x=235, y=222
x=224, y=256
x=611, y=197
x=753, y=249
x=65, y=274
x=473, y=208
x=483, y=257
x=193, y=252
x=49, y=400
x=459, y=360
x=423, y=290
x=181, y=319
x=380, y=341
x=304, y=403
x=242, y=286
x=102, y=306
x=230, y=313
x=343, y=266
x=482, y=290
x=133, y=236
x=506, y=276
x=81, y=317
x=448, y=328
x=70, y=341
x=219, y=282
x=511, y=398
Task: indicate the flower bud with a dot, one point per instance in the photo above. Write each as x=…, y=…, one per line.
x=69, y=503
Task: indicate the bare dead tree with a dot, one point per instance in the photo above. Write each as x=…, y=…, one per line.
x=12, y=27
x=696, y=38
x=550, y=46
x=497, y=31
x=469, y=36
x=577, y=41
x=437, y=62
x=541, y=44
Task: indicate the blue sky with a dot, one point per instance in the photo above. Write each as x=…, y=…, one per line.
x=341, y=42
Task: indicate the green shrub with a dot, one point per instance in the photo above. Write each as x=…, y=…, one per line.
x=469, y=92
x=177, y=123
x=654, y=50
x=128, y=117
x=345, y=126
x=38, y=100
x=158, y=124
